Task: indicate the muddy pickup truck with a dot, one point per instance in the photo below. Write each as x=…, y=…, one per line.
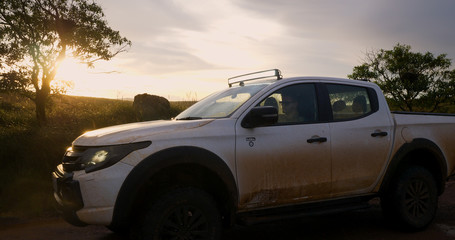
x=265, y=148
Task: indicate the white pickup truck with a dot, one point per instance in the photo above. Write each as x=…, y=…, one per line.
x=265, y=148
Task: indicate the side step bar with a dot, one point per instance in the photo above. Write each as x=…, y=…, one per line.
x=304, y=210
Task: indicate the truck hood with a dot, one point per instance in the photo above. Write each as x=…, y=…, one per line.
x=128, y=133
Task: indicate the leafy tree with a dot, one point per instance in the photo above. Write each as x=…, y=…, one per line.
x=36, y=35
x=410, y=80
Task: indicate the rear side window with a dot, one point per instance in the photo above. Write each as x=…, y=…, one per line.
x=349, y=102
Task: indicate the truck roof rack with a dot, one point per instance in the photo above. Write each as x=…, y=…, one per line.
x=241, y=79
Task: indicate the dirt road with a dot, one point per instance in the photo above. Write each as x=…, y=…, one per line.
x=364, y=224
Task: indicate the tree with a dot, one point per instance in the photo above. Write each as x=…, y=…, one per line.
x=35, y=36
x=410, y=80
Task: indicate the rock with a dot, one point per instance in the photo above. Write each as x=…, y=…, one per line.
x=151, y=107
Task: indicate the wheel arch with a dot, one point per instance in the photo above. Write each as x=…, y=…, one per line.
x=420, y=152
x=173, y=168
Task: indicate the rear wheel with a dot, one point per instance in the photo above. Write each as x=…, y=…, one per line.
x=413, y=200
x=185, y=214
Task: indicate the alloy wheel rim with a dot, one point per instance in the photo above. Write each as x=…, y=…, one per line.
x=417, y=198
x=185, y=223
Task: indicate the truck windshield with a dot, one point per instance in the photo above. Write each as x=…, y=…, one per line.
x=220, y=104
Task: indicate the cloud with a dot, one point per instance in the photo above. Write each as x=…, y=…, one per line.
x=425, y=25
x=145, y=19
x=162, y=58
x=155, y=29
x=329, y=38
x=176, y=36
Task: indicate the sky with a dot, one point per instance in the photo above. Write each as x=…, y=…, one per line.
x=187, y=49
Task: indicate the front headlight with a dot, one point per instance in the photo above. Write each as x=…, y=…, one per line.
x=96, y=158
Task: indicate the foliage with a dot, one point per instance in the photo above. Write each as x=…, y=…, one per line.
x=412, y=81
x=35, y=36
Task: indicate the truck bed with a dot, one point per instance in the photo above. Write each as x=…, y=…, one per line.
x=436, y=127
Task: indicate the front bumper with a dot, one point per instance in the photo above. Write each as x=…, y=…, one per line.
x=67, y=195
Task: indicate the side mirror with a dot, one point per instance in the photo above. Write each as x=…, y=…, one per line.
x=260, y=116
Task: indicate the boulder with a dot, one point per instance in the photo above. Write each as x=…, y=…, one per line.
x=151, y=107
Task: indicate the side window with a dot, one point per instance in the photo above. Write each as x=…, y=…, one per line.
x=348, y=102
x=295, y=104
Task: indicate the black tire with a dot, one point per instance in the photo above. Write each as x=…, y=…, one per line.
x=412, y=201
x=186, y=213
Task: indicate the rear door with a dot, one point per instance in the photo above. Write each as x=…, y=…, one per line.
x=361, y=136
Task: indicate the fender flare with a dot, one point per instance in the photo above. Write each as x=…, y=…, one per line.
x=137, y=178
x=400, y=159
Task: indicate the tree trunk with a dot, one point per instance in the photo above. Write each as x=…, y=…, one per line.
x=43, y=93
x=40, y=103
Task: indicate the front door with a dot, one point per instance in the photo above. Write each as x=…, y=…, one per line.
x=287, y=162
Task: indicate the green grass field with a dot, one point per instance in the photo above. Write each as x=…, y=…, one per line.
x=29, y=154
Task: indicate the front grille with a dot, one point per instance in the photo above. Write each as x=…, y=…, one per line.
x=71, y=160
x=71, y=167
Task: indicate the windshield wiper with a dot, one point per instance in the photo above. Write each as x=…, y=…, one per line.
x=189, y=118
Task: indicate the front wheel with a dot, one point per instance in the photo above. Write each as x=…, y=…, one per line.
x=184, y=214
x=413, y=200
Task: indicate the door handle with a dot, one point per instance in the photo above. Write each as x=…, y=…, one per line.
x=379, y=134
x=316, y=139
